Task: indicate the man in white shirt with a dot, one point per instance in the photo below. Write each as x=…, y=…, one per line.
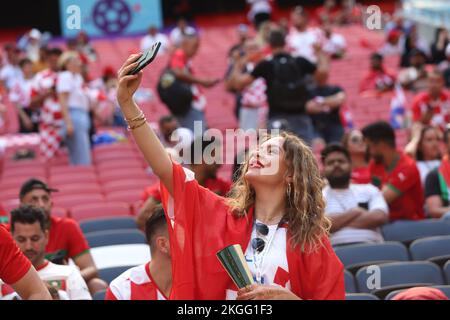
x=301, y=40
x=154, y=36
x=11, y=72
x=182, y=29
x=30, y=232
x=356, y=211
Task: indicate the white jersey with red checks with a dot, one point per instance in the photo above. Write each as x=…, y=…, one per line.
x=134, y=284
x=51, y=114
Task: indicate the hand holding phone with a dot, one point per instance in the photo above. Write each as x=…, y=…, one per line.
x=146, y=58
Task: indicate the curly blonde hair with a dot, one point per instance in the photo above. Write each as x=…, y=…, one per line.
x=307, y=223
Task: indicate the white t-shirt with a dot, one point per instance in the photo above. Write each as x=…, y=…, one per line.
x=20, y=92
x=269, y=266
x=301, y=43
x=258, y=6
x=176, y=36
x=148, y=40
x=67, y=279
x=425, y=167
x=341, y=200
x=9, y=74
x=334, y=44
x=74, y=85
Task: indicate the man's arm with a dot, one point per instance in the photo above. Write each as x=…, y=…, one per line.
x=31, y=287
x=341, y=220
x=336, y=100
x=369, y=219
x=87, y=266
x=189, y=78
x=390, y=194
x=239, y=79
x=435, y=206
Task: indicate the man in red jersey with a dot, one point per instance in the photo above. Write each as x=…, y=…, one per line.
x=66, y=240
x=394, y=173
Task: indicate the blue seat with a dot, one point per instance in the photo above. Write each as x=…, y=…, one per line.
x=100, y=295
x=109, y=274
x=360, y=296
x=397, y=275
x=436, y=249
x=358, y=255
x=349, y=280
x=446, y=269
x=444, y=289
x=114, y=237
x=408, y=231
x=113, y=223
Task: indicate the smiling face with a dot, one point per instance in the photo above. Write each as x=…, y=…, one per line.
x=267, y=163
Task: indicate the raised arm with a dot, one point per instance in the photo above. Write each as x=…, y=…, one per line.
x=148, y=142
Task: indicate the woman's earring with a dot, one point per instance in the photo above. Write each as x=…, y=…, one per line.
x=288, y=193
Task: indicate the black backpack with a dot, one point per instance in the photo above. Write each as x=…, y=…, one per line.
x=176, y=94
x=288, y=92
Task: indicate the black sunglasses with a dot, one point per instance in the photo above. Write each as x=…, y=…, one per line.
x=258, y=244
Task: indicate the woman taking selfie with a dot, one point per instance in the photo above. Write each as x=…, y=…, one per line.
x=275, y=211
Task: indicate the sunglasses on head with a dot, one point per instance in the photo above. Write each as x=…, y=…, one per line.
x=258, y=243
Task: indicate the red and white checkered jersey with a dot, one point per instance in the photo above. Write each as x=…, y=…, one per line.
x=134, y=284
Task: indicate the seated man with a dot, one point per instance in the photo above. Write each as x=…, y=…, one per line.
x=394, y=173
x=437, y=184
x=28, y=228
x=152, y=280
x=17, y=275
x=378, y=78
x=356, y=211
x=66, y=240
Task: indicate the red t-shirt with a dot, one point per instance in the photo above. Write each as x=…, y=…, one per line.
x=375, y=80
x=218, y=186
x=403, y=178
x=13, y=264
x=440, y=108
x=65, y=238
x=361, y=175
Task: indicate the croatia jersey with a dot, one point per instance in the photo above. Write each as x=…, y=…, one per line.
x=134, y=284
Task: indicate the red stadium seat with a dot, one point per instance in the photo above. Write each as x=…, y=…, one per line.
x=71, y=201
x=24, y=171
x=129, y=196
x=125, y=185
x=54, y=171
x=119, y=165
x=76, y=188
x=9, y=194
x=134, y=173
x=9, y=205
x=87, y=177
x=115, y=155
x=107, y=209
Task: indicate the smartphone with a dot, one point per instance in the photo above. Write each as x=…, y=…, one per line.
x=146, y=58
